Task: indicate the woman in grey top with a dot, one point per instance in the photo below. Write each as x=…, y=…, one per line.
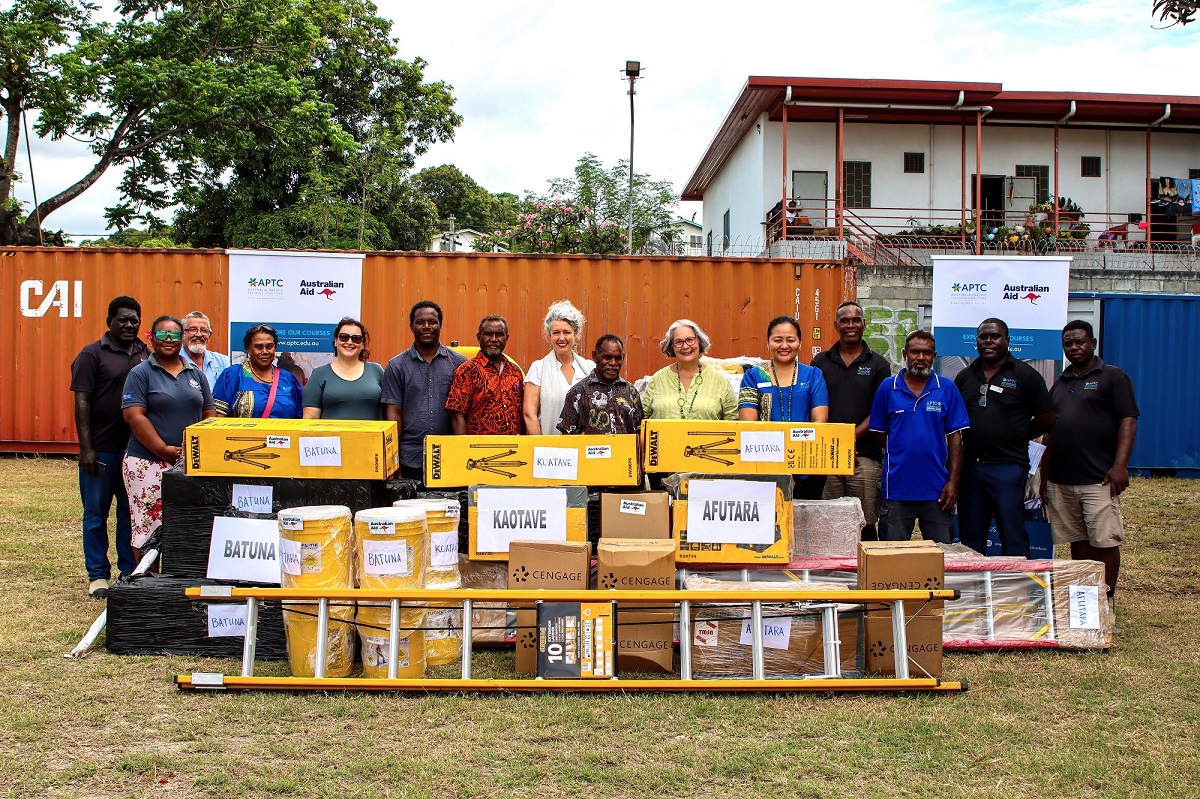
x=348, y=388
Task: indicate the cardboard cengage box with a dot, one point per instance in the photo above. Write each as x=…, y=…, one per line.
x=909, y=565
x=511, y=513
x=793, y=646
x=645, y=514
x=575, y=640
x=531, y=461
x=924, y=634
x=543, y=564
x=780, y=512
x=325, y=449
x=644, y=635
x=747, y=447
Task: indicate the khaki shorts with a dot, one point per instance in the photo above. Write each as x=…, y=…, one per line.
x=864, y=484
x=1085, y=513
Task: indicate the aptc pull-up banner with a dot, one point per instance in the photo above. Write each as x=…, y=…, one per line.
x=1028, y=293
x=302, y=295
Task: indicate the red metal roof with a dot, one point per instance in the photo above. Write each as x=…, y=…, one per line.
x=941, y=102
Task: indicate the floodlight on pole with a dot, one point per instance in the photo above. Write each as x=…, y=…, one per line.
x=633, y=71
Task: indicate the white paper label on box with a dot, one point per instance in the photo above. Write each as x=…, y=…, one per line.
x=381, y=528
x=289, y=522
x=253, y=499
x=804, y=434
x=443, y=549
x=777, y=633
x=731, y=512
x=320, y=450
x=244, y=549
x=453, y=510
x=387, y=557
x=556, y=463
x=279, y=442
x=633, y=506
x=289, y=556
x=598, y=451
x=1085, y=607
x=706, y=633
x=226, y=621
x=520, y=514
x=762, y=447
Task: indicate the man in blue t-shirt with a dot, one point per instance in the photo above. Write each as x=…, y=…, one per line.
x=919, y=417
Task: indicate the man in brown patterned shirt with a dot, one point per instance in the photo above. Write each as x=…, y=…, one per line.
x=603, y=403
x=485, y=395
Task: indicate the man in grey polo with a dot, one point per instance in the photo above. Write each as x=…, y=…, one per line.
x=415, y=385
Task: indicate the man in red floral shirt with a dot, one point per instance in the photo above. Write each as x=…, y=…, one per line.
x=485, y=395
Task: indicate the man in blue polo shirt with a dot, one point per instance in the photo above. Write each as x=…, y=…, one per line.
x=919, y=417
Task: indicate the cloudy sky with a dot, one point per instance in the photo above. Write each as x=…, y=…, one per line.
x=540, y=83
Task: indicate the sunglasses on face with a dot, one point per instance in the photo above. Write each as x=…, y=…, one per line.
x=168, y=335
x=355, y=337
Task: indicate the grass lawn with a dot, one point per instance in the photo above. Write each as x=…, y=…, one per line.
x=1045, y=723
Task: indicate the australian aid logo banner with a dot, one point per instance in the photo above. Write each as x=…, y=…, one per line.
x=1028, y=293
x=303, y=295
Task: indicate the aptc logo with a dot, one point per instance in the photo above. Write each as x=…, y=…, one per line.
x=265, y=282
x=980, y=287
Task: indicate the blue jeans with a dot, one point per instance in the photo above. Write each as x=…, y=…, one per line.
x=993, y=489
x=97, y=491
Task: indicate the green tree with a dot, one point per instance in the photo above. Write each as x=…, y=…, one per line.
x=456, y=193
x=1176, y=12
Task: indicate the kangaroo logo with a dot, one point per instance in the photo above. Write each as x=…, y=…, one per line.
x=1033, y=298
x=328, y=294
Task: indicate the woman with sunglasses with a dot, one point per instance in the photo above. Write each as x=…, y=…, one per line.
x=687, y=389
x=256, y=387
x=348, y=388
x=162, y=396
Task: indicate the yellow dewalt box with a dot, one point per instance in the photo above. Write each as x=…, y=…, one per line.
x=747, y=447
x=455, y=461
x=499, y=515
x=736, y=520
x=331, y=449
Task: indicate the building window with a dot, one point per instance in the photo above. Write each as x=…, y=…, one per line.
x=1089, y=166
x=1042, y=175
x=695, y=242
x=856, y=177
x=914, y=163
x=725, y=232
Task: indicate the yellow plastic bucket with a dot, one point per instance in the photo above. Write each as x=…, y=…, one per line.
x=443, y=636
x=316, y=547
x=300, y=628
x=374, y=622
x=391, y=547
x=442, y=517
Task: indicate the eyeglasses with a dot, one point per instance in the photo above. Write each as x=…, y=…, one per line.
x=983, y=395
x=168, y=335
x=355, y=337
x=685, y=342
x=197, y=331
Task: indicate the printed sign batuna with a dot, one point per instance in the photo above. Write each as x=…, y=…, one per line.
x=245, y=550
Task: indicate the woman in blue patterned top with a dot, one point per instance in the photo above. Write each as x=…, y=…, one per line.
x=784, y=390
x=257, y=387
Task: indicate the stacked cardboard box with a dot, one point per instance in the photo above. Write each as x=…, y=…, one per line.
x=727, y=508
x=644, y=634
x=543, y=564
x=907, y=565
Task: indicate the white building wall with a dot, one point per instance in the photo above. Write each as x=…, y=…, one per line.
x=738, y=188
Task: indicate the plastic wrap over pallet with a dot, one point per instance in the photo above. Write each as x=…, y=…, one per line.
x=191, y=503
x=826, y=528
x=149, y=615
x=490, y=621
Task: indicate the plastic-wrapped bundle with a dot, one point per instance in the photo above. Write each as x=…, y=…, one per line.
x=149, y=615
x=793, y=642
x=191, y=503
x=391, y=547
x=443, y=635
x=316, y=547
x=374, y=624
x=300, y=625
x=441, y=517
x=489, y=620
x=826, y=528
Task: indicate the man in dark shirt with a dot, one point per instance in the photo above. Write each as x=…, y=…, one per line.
x=1008, y=405
x=1086, y=465
x=97, y=379
x=415, y=386
x=485, y=395
x=853, y=373
x=603, y=403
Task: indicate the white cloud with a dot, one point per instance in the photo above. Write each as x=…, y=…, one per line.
x=539, y=83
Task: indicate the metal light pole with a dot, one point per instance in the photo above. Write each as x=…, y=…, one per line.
x=633, y=71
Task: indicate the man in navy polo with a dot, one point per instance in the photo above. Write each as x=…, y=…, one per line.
x=918, y=417
x=1009, y=405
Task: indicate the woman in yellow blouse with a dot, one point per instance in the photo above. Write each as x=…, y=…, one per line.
x=686, y=389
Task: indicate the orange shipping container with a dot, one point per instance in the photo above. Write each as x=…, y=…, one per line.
x=53, y=302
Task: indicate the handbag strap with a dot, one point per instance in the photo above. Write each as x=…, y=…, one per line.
x=271, y=397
